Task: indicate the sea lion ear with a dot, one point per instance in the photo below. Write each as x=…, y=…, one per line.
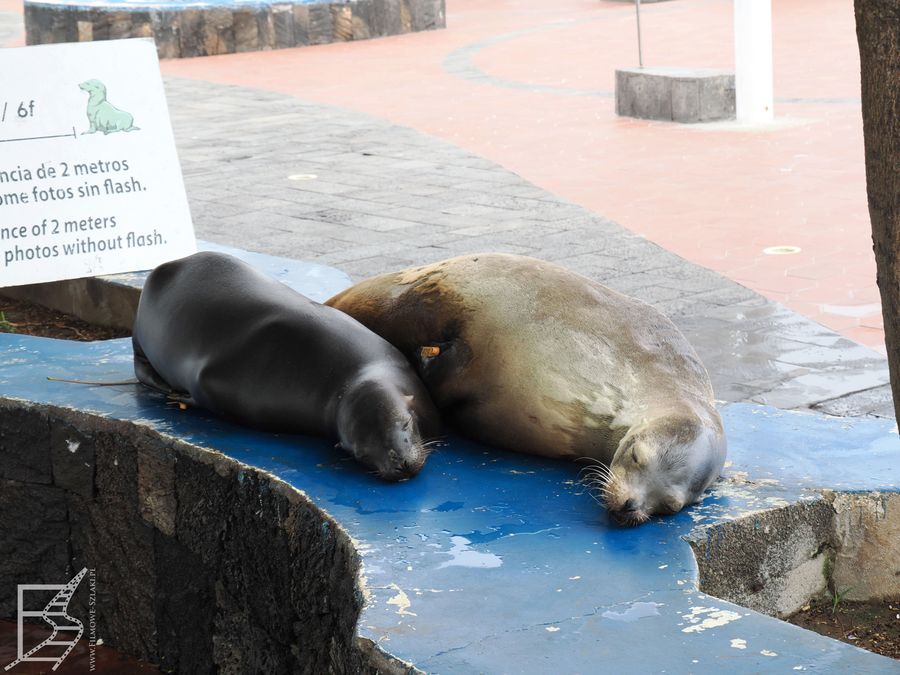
x=429, y=352
x=426, y=357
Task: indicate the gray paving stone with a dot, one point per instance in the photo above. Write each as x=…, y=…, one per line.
x=875, y=402
x=368, y=267
x=216, y=209
x=656, y=294
x=327, y=188
x=288, y=244
x=448, y=221
x=388, y=197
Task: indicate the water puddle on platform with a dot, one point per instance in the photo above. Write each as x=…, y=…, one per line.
x=463, y=556
x=637, y=610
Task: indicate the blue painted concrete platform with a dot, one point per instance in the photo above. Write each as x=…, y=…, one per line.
x=494, y=562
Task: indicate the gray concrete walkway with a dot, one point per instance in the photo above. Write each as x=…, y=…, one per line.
x=277, y=175
x=274, y=174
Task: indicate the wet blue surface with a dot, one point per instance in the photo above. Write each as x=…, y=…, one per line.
x=495, y=562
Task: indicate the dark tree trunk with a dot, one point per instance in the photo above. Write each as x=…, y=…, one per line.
x=878, y=34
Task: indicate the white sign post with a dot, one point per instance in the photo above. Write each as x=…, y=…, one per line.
x=753, y=61
x=89, y=178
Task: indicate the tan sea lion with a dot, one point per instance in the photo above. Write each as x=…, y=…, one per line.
x=526, y=355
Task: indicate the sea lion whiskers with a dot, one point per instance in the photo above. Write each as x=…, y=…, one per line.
x=587, y=487
x=590, y=459
x=631, y=518
x=597, y=467
x=613, y=490
x=600, y=480
x=597, y=499
x=594, y=479
x=433, y=446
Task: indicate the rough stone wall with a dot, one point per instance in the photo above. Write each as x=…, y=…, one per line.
x=772, y=562
x=675, y=94
x=776, y=561
x=867, y=539
x=225, y=30
x=201, y=564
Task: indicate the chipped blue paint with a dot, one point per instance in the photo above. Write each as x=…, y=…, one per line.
x=571, y=592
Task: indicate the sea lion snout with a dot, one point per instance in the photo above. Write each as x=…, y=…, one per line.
x=392, y=461
x=407, y=450
x=660, y=467
x=630, y=516
x=631, y=506
x=386, y=429
x=402, y=465
x=627, y=501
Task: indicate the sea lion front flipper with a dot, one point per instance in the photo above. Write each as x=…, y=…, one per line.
x=182, y=399
x=150, y=378
x=145, y=372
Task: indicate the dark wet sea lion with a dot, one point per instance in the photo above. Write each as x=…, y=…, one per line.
x=526, y=355
x=220, y=335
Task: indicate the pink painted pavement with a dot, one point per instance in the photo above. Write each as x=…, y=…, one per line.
x=522, y=82
x=717, y=195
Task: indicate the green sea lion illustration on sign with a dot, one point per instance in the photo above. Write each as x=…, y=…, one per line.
x=102, y=114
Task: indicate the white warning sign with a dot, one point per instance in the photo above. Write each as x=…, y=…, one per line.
x=89, y=178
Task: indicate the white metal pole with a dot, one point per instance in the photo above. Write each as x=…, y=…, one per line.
x=637, y=10
x=753, y=60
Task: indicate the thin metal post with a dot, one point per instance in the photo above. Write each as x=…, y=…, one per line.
x=637, y=11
